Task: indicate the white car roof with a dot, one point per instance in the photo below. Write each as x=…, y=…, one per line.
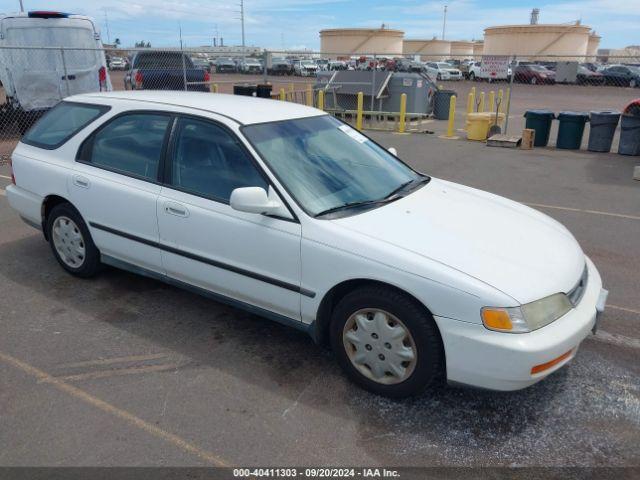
x=244, y=110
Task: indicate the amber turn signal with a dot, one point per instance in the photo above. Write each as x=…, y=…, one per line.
x=546, y=366
x=496, y=319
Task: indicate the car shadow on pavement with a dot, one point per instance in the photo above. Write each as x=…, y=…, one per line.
x=445, y=425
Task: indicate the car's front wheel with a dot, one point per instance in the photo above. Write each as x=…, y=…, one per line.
x=71, y=241
x=387, y=342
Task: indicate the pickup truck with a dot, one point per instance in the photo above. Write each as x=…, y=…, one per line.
x=165, y=70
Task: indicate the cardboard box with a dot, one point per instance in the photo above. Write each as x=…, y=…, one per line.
x=528, y=137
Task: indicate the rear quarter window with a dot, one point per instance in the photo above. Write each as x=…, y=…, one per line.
x=61, y=123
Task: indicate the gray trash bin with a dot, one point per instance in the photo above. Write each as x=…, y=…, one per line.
x=603, y=127
x=441, y=102
x=629, y=135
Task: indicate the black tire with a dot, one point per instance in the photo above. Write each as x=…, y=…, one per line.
x=472, y=77
x=91, y=264
x=430, y=364
x=533, y=81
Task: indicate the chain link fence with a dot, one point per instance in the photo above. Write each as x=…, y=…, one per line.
x=36, y=78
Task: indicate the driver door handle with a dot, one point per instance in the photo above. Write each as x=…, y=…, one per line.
x=176, y=209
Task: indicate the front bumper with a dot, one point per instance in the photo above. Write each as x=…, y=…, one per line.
x=483, y=358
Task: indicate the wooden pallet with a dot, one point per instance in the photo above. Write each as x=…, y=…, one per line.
x=506, y=141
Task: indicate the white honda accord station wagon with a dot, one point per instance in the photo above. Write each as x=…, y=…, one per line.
x=291, y=214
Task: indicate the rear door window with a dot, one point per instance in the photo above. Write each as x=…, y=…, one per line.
x=61, y=123
x=130, y=144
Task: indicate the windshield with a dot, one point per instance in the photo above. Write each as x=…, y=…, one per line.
x=324, y=163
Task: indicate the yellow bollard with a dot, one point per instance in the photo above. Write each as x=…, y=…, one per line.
x=403, y=113
x=359, y=112
x=309, y=96
x=452, y=114
x=481, y=102
x=500, y=98
x=471, y=101
x=492, y=101
x=320, y=99
x=282, y=95
x=452, y=119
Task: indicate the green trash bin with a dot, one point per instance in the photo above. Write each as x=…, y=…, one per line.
x=540, y=121
x=571, y=129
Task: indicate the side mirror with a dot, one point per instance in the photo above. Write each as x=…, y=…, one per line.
x=393, y=151
x=256, y=200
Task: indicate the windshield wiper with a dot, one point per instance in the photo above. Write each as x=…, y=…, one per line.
x=388, y=199
x=413, y=183
x=348, y=205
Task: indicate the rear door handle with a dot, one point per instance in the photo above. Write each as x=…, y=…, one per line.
x=176, y=209
x=81, y=182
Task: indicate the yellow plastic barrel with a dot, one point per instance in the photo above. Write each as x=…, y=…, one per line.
x=478, y=124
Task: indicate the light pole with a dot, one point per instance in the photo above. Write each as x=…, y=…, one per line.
x=444, y=21
x=21, y=6
x=242, y=21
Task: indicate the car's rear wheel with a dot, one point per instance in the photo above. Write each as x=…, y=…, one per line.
x=71, y=241
x=472, y=76
x=533, y=80
x=632, y=83
x=386, y=342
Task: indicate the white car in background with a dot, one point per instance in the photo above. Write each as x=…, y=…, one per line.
x=117, y=63
x=305, y=68
x=445, y=71
x=287, y=212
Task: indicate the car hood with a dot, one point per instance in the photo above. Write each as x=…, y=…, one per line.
x=515, y=249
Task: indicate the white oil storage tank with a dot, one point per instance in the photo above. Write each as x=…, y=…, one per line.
x=538, y=42
x=428, y=50
x=478, y=47
x=592, y=46
x=342, y=43
x=461, y=50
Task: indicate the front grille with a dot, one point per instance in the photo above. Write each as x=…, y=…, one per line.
x=576, y=293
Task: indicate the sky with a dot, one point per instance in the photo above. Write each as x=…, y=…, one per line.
x=294, y=24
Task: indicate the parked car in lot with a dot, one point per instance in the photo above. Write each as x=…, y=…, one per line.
x=338, y=65
x=225, y=65
x=250, y=65
x=286, y=211
x=323, y=64
x=445, y=71
x=36, y=79
x=534, y=74
x=280, y=66
x=305, y=68
x=585, y=76
x=200, y=62
x=622, y=75
x=117, y=63
x=165, y=70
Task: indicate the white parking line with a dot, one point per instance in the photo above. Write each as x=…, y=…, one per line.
x=624, y=309
x=2, y=192
x=616, y=339
x=580, y=210
x=4, y=176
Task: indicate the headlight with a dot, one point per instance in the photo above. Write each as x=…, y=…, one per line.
x=528, y=317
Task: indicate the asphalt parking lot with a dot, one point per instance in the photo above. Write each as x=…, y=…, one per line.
x=124, y=370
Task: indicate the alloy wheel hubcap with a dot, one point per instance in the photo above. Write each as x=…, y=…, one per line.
x=68, y=242
x=379, y=346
